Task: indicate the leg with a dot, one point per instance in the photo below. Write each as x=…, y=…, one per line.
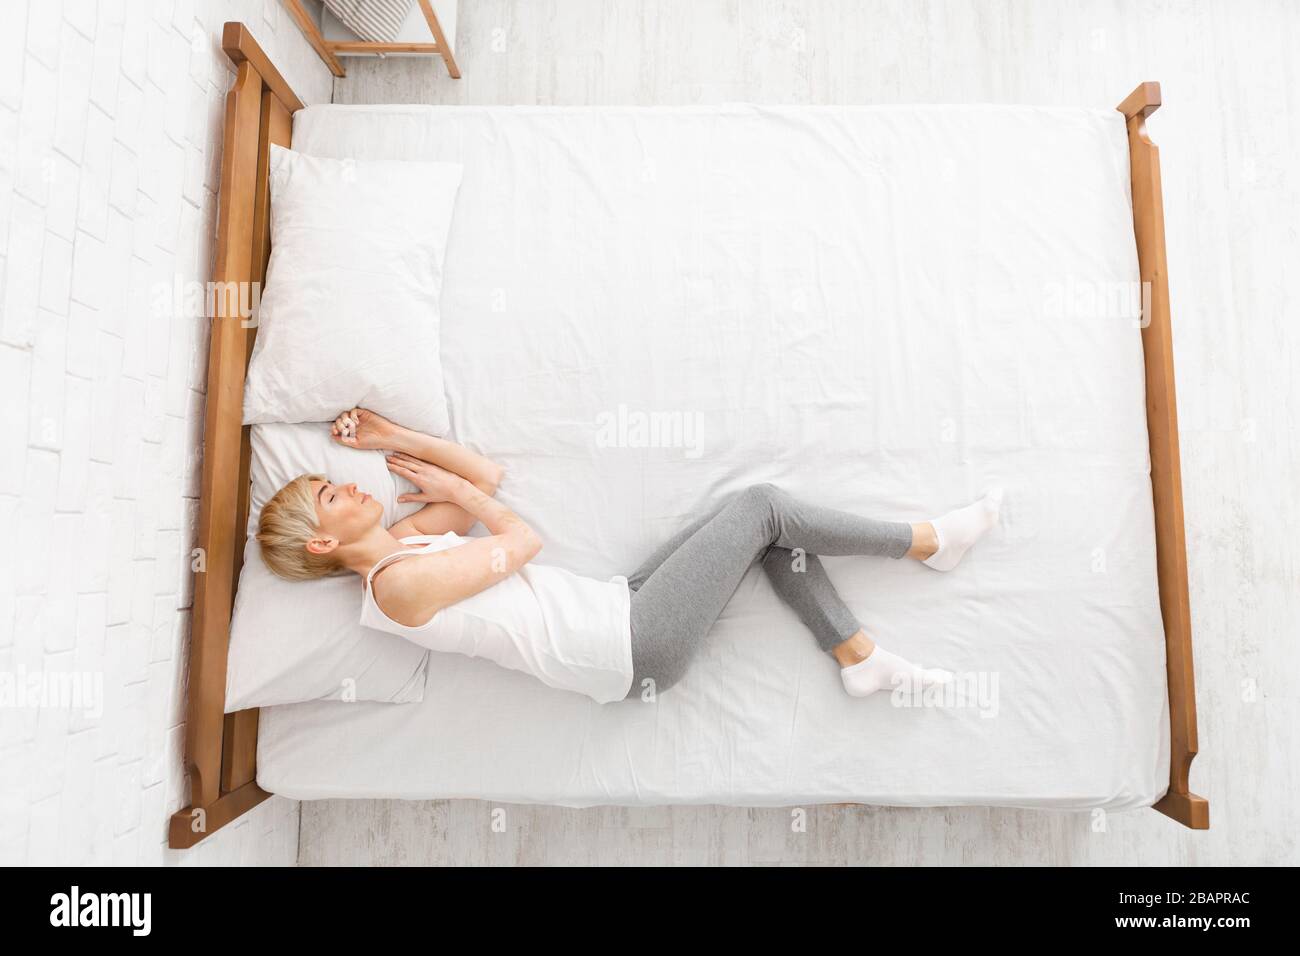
x=924, y=543
x=864, y=667
x=678, y=602
x=801, y=582
x=660, y=554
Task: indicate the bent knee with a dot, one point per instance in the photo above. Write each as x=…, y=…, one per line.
x=764, y=492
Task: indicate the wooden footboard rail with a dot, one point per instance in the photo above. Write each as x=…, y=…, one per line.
x=1166, y=475
x=220, y=748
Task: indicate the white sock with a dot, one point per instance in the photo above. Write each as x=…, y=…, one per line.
x=958, y=530
x=883, y=671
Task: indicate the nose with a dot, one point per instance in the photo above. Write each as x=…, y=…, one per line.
x=352, y=489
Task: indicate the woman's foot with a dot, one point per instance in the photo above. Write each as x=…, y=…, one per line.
x=866, y=667
x=885, y=671
x=956, y=531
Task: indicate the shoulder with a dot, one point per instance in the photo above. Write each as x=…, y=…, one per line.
x=413, y=565
x=406, y=590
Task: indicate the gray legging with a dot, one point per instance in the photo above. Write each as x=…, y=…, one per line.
x=682, y=588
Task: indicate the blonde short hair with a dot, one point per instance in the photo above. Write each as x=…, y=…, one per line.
x=286, y=524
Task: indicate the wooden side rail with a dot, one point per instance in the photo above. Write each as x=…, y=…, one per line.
x=1179, y=802
x=220, y=748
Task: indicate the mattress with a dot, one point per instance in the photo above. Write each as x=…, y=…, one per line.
x=884, y=310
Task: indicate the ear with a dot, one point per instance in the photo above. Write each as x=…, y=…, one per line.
x=322, y=545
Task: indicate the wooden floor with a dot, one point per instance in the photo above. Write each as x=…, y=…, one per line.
x=1230, y=138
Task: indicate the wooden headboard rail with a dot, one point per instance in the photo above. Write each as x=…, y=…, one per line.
x=221, y=749
x=1166, y=471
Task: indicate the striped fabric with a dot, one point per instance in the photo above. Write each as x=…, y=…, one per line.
x=377, y=20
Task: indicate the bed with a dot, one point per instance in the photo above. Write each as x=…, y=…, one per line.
x=882, y=309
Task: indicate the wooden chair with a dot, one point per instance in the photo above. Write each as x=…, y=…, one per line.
x=328, y=42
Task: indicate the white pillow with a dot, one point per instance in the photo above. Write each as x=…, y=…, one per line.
x=349, y=315
x=292, y=641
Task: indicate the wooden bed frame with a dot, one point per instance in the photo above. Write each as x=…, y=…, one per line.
x=221, y=749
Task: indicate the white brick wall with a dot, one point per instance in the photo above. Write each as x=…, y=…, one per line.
x=110, y=150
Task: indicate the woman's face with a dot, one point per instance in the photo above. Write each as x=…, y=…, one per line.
x=343, y=512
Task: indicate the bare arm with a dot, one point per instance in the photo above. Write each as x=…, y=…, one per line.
x=435, y=518
x=362, y=428
x=411, y=592
x=483, y=473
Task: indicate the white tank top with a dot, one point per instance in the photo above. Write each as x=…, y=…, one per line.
x=568, y=631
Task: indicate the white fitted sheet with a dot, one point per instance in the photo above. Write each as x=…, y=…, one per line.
x=879, y=309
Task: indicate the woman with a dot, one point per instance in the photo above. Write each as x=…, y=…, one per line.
x=607, y=639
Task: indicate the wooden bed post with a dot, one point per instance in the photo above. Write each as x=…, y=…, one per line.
x=221, y=749
x=1179, y=802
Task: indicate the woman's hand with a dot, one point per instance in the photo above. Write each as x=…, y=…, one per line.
x=435, y=484
x=361, y=428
